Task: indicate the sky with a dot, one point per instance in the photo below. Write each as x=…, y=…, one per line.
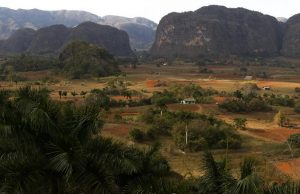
x=155, y=9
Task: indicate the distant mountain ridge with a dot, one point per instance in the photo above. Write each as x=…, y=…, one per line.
x=52, y=39
x=140, y=30
x=217, y=30
x=220, y=31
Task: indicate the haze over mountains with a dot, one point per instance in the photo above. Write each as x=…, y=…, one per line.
x=140, y=30
x=52, y=39
x=208, y=31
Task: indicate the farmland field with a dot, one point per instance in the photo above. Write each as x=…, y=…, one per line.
x=262, y=138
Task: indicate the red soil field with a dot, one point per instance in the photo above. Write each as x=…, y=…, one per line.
x=151, y=83
x=289, y=168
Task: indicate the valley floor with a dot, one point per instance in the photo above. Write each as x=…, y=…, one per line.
x=262, y=139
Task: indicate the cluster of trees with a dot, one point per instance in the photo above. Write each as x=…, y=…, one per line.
x=25, y=62
x=279, y=100
x=177, y=92
x=80, y=59
x=191, y=131
x=245, y=103
x=201, y=95
x=56, y=147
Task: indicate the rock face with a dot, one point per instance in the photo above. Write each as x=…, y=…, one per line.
x=291, y=40
x=140, y=30
x=114, y=40
x=217, y=30
x=18, y=42
x=52, y=39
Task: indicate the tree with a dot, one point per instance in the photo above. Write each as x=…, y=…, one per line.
x=280, y=119
x=60, y=94
x=35, y=131
x=80, y=59
x=238, y=94
x=186, y=118
x=73, y=93
x=137, y=135
x=161, y=103
x=297, y=108
x=240, y=123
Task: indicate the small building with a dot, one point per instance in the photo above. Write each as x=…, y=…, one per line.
x=248, y=77
x=188, y=101
x=266, y=88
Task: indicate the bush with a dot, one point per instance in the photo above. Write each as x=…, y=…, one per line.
x=240, y=123
x=137, y=135
x=64, y=93
x=73, y=93
x=294, y=140
x=297, y=108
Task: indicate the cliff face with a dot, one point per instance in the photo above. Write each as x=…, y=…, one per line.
x=114, y=40
x=216, y=30
x=52, y=39
x=291, y=40
x=49, y=39
x=18, y=42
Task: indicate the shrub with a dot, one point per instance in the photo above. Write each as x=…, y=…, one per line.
x=297, y=108
x=240, y=123
x=64, y=93
x=137, y=135
x=83, y=93
x=294, y=140
x=73, y=93
x=280, y=119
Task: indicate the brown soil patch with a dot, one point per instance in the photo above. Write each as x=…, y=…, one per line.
x=120, y=130
x=289, y=168
x=278, y=134
x=278, y=84
x=219, y=99
x=125, y=98
x=185, y=107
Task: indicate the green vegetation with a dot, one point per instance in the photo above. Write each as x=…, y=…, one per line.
x=294, y=140
x=297, y=108
x=80, y=59
x=192, y=131
x=51, y=147
x=30, y=63
x=280, y=119
x=240, y=123
x=137, y=135
x=250, y=102
x=56, y=147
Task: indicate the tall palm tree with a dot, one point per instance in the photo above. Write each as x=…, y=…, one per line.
x=186, y=118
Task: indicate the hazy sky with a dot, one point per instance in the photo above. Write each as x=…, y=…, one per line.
x=155, y=9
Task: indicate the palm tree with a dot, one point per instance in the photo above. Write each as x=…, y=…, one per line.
x=186, y=118
x=53, y=147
